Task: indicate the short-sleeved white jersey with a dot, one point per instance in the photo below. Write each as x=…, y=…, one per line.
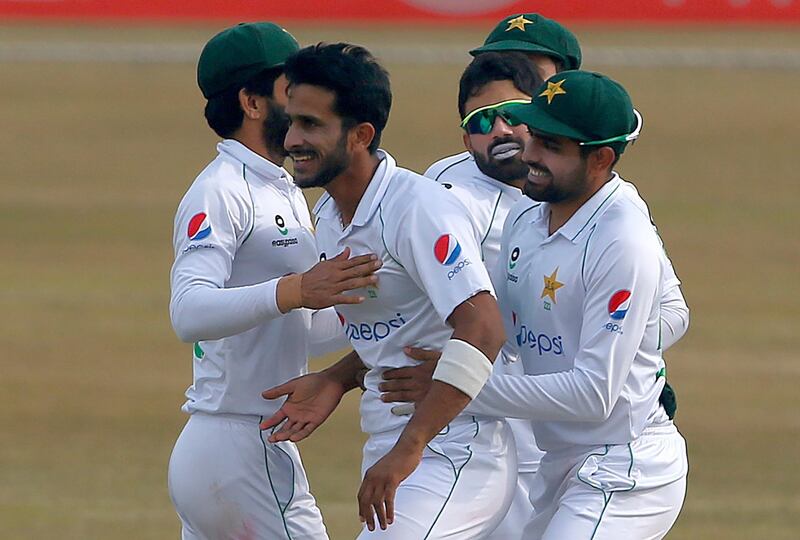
x=583, y=307
x=241, y=226
x=431, y=264
x=489, y=201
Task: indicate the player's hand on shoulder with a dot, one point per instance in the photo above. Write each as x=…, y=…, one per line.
x=324, y=284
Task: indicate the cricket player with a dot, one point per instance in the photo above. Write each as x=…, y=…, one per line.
x=437, y=474
x=488, y=179
x=245, y=259
x=584, y=272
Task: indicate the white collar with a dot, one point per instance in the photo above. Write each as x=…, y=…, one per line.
x=263, y=167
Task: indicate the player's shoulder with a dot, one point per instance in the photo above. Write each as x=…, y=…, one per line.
x=407, y=186
x=450, y=167
x=222, y=178
x=625, y=221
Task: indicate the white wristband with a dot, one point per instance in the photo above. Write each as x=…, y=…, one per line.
x=463, y=366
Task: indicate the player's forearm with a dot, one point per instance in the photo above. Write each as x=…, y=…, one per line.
x=204, y=312
x=443, y=403
x=345, y=371
x=674, y=317
x=477, y=321
x=570, y=396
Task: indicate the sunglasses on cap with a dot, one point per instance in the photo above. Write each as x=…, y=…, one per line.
x=481, y=120
x=628, y=137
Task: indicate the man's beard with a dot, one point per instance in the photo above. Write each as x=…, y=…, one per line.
x=276, y=125
x=571, y=187
x=332, y=166
x=506, y=170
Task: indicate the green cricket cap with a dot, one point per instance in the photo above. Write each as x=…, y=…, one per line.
x=530, y=32
x=236, y=54
x=584, y=106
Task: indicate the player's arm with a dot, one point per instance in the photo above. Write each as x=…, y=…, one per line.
x=411, y=384
x=674, y=311
x=202, y=308
x=589, y=391
x=436, y=240
x=460, y=373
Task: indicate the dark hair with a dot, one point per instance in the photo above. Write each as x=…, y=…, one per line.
x=492, y=66
x=223, y=112
x=360, y=85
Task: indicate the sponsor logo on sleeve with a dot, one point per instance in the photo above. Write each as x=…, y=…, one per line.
x=447, y=250
x=199, y=227
x=618, y=306
x=323, y=256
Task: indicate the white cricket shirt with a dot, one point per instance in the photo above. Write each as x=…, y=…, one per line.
x=241, y=226
x=489, y=201
x=431, y=264
x=583, y=307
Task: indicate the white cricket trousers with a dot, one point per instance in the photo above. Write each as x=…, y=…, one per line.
x=461, y=489
x=228, y=483
x=631, y=491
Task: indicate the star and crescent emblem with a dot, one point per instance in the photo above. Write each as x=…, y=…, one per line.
x=551, y=285
x=518, y=23
x=553, y=90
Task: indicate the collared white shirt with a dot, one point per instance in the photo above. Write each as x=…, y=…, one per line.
x=583, y=307
x=431, y=264
x=241, y=226
x=489, y=201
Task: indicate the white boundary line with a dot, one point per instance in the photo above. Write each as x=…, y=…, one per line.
x=645, y=57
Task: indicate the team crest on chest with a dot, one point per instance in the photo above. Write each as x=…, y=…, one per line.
x=551, y=285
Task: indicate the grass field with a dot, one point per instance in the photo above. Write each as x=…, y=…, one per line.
x=95, y=157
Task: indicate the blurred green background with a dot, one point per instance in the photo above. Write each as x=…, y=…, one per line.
x=96, y=155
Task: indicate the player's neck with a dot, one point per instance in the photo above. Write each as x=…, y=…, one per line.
x=348, y=188
x=254, y=141
x=561, y=212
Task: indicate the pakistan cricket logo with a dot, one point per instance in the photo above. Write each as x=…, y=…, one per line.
x=281, y=225
x=512, y=263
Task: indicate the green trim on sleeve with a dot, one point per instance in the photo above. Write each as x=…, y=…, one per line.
x=252, y=204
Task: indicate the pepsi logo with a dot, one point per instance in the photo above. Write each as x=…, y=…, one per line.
x=447, y=249
x=619, y=304
x=199, y=227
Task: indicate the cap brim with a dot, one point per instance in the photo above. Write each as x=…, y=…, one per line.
x=517, y=45
x=538, y=119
